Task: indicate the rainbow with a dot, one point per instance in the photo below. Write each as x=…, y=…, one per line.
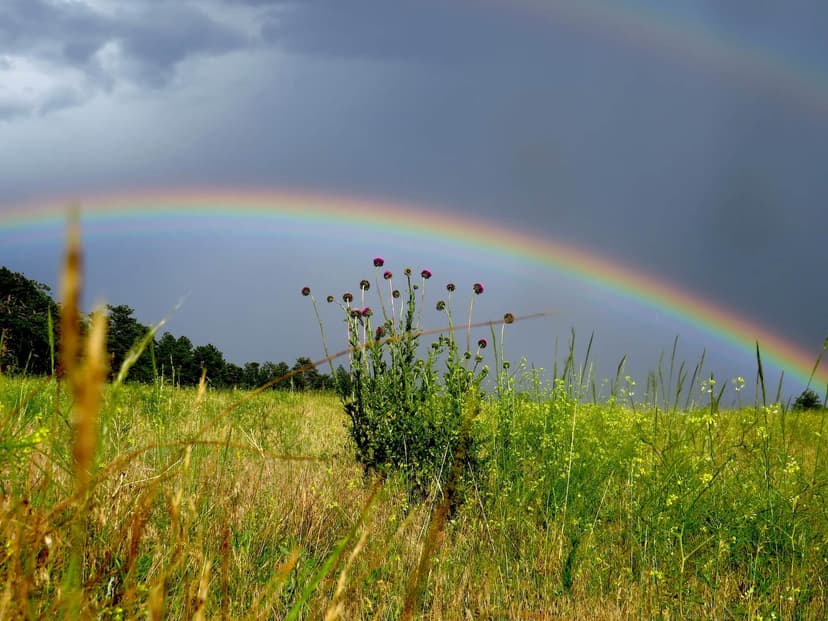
x=235, y=208
x=688, y=41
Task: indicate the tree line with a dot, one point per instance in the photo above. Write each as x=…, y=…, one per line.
x=29, y=333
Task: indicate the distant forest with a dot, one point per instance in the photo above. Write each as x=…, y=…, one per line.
x=26, y=347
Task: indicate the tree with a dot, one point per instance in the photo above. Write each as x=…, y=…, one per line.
x=124, y=332
x=251, y=375
x=233, y=374
x=808, y=400
x=271, y=371
x=209, y=357
x=174, y=357
x=24, y=309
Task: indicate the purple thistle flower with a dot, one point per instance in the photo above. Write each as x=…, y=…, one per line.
x=426, y=274
x=478, y=288
x=387, y=275
x=348, y=297
x=367, y=312
x=508, y=318
x=379, y=262
x=306, y=291
x=482, y=343
x=380, y=332
x=364, y=285
x=450, y=287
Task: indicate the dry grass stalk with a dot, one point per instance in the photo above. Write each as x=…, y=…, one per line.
x=71, y=280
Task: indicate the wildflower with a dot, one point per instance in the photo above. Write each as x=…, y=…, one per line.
x=380, y=332
x=379, y=262
x=306, y=291
x=426, y=274
x=387, y=275
x=395, y=293
x=478, y=288
x=441, y=305
x=482, y=343
x=408, y=271
x=330, y=299
x=356, y=313
x=348, y=297
x=450, y=287
x=508, y=318
x=366, y=312
x=364, y=285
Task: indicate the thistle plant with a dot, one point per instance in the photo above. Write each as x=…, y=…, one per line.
x=410, y=405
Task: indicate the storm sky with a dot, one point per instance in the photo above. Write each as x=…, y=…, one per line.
x=684, y=139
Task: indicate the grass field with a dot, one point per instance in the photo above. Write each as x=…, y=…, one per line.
x=599, y=511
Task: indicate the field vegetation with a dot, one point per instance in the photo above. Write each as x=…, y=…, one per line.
x=428, y=484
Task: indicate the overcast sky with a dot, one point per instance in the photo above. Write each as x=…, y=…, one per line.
x=686, y=139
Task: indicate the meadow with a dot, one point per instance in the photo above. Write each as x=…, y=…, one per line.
x=605, y=511
x=495, y=494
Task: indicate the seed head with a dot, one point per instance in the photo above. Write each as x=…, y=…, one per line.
x=450, y=287
x=478, y=288
x=348, y=297
x=364, y=285
x=380, y=333
x=508, y=318
x=379, y=261
x=426, y=274
x=482, y=343
x=306, y=291
x=330, y=299
x=356, y=313
x=387, y=275
x=408, y=271
x=441, y=305
x=395, y=293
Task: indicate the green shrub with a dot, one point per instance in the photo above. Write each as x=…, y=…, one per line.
x=808, y=400
x=411, y=406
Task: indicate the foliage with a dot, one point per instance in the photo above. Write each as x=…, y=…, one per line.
x=124, y=331
x=25, y=306
x=808, y=400
x=408, y=412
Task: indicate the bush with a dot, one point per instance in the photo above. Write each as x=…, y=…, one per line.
x=405, y=415
x=808, y=400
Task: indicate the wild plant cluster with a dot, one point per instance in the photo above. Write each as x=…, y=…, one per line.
x=411, y=406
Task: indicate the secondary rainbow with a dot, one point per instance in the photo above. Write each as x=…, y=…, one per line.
x=418, y=222
x=688, y=40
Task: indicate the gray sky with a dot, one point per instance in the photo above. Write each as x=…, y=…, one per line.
x=680, y=138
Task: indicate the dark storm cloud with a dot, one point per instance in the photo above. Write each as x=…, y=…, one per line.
x=140, y=42
x=404, y=29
